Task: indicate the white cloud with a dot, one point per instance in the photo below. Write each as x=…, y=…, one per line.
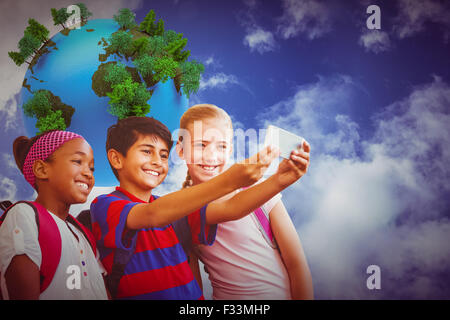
x=306, y=117
x=9, y=162
x=260, y=40
x=305, y=17
x=8, y=189
x=413, y=18
x=218, y=80
x=386, y=206
x=415, y=15
x=309, y=18
x=209, y=61
x=375, y=41
x=212, y=62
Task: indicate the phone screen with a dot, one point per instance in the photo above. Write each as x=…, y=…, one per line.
x=284, y=140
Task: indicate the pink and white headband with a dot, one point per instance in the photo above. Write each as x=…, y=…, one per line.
x=44, y=148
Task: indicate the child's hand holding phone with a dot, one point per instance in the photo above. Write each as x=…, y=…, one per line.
x=295, y=151
x=292, y=169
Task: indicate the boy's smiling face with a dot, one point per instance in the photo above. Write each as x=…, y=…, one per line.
x=145, y=165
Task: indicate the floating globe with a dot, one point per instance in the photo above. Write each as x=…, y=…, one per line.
x=67, y=71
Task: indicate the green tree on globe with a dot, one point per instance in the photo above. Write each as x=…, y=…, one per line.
x=83, y=79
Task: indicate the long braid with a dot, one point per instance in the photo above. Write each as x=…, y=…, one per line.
x=188, y=181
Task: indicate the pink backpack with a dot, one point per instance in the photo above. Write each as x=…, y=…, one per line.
x=263, y=223
x=49, y=239
x=262, y=220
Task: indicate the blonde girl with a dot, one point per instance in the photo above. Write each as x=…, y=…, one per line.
x=241, y=264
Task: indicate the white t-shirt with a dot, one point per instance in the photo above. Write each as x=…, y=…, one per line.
x=19, y=235
x=242, y=265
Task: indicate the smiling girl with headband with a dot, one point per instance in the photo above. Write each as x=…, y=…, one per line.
x=44, y=252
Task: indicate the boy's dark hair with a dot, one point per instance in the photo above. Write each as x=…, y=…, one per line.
x=122, y=135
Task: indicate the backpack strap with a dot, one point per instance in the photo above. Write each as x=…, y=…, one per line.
x=263, y=223
x=4, y=205
x=50, y=243
x=85, y=231
x=84, y=217
x=49, y=240
x=262, y=220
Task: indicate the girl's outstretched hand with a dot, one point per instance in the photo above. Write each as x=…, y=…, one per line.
x=293, y=169
x=249, y=171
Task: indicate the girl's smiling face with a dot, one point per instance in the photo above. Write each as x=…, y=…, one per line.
x=208, y=148
x=71, y=170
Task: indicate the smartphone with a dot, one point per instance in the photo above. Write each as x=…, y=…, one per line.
x=286, y=141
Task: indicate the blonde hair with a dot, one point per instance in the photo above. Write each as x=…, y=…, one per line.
x=200, y=112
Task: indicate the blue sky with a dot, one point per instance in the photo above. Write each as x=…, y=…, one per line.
x=374, y=104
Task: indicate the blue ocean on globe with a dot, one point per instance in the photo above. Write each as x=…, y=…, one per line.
x=67, y=72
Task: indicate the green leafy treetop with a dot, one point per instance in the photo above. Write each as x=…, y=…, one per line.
x=125, y=19
x=141, y=47
x=29, y=44
x=60, y=16
x=159, y=28
x=160, y=68
x=147, y=25
x=129, y=98
x=144, y=65
x=158, y=46
x=17, y=57
x=38, y=105
x=174, y=48
x=164, y=68
x=121, y=42
x=171, y=35
x=157, y=54
x=49, y=111
x=116, y=74
x=52, y=121
x=84, y=12
x=190, y=75
x=37, y=30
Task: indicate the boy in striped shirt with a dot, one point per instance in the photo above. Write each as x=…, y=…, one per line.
x=133, y=220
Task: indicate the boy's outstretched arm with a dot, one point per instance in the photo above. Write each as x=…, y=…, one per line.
x=252, y=198
x=292, y=253
x=176, y=205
